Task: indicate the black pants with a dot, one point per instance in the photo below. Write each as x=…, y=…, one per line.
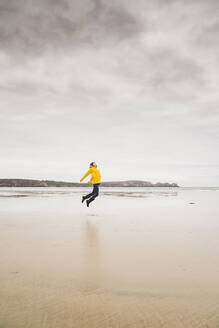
x=94, y=193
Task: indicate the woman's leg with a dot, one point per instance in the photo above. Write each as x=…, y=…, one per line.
x=89, y=195
x=94, y=194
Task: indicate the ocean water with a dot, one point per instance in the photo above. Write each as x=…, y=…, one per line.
x=105, y=191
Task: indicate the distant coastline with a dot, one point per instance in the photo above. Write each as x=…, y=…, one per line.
x=51, y=183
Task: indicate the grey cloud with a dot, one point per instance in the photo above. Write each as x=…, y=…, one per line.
x=203, y=17
x=176, y=77
x=165, y=73
x=36, y=26
x=207, y=35
x=173, y=67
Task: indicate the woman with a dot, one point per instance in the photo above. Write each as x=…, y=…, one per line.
x=95, y=180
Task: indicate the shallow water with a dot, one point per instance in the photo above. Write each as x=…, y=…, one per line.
x=138, y=257
x=115, y=191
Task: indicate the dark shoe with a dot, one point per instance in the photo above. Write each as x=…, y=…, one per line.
x=87, y=201
x=83, y=199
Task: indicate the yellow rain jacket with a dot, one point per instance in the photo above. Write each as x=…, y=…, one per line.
x=95, y=178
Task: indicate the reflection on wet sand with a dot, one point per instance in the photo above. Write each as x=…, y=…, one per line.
x=92, y=256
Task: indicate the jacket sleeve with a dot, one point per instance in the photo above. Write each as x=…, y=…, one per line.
x=86, y=174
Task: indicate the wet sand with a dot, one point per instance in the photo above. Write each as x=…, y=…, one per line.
x=132, y=259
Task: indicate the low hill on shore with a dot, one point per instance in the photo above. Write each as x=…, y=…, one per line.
x=50, y=183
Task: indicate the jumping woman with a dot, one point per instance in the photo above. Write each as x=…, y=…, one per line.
x=95, y=180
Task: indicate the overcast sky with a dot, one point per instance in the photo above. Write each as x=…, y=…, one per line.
x=130, y=84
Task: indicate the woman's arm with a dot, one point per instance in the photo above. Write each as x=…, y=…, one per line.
x=86, y=174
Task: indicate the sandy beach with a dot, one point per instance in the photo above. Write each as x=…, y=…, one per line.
x=135, y=258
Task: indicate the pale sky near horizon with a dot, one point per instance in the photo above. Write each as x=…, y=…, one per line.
x=132, y=85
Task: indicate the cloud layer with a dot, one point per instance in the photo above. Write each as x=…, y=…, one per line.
x=133, y=86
